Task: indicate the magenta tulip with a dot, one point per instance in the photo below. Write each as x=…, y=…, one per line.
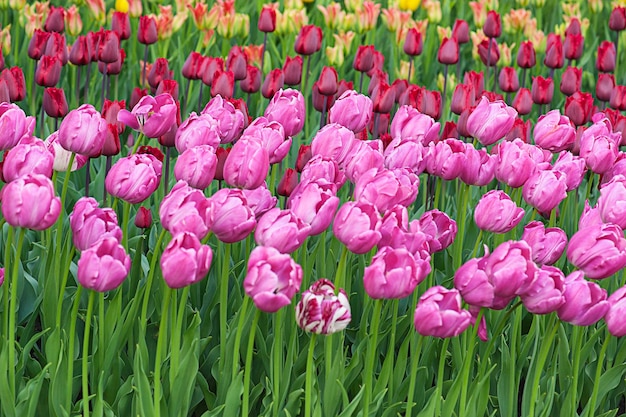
x=394, y=273
x=196, y=166
x=89, y=223
x=186, y=209
x=615, y=316
x=585, y=302
x=232, y=218
x=554, y=132
x=287, y=108
x=281, y=229
x=351, y=110
x=545, y=190
x=489, y=122
x=247, y=164
x=547, y=245
x=134, y=178
x=497, y=213
x=439, y=314
x=545, y=292
x=198, y=130
x=185, y=260
x=357, y=225
x=103, y=266
x=152, y=116
x=598, y=250
x=30, y=156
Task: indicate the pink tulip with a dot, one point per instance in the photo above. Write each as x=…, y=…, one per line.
x=612, y=201
x=352, y=110
x=287, y=108
x=322, y=168
x=545, y=292
x=185, y=209
x=394, y=273
x=315, y=203
x=544, y=190
x=272, y=279
x=408, y=123
x=490, y=121
x=62, y=156
x=281, y=229
x=196, y=166
x=446, y=159
x=497, y=213
x=515, y=165
x=439, y=314
x=599, y=250
x=103, y=266
x=28, y=157
x=384, y=188
x=599, y=146
x=364, y=157
x=14, y=125
x=152, y=116
x=554, y=132
x=230, y=121
x=271, y=136
x=247, y=164
x=615, y=315
x=585, y=302
x=573, y=167
x=1, y=276
x=408, y=154
x=89, y=223
x=260, y=200
x=394, y=226
x=440, y=229
x=589, y=217
x=134, y=178
x=322, y=311
x=232, y=219
x=479, y=168
x=83, y=131
x=29, y=202
x=357, y=225
x=334, y=141
x=185, y=260
x=547, y=245
x=198, y=130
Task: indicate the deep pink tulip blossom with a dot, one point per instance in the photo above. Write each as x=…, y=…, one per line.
x=446, y=159
x=385, y=188
x=573, y=167
x=589, y=217
x=545, y=292
x=196, y=166
x=554, y=132
x=357, y=225
x=547, y=244
x=334, y=141
x=272, y=279
x=30, y=156
x=271, y=136
x=90, y=223
x=490, y=121
x=394, y=225
x=545, y=190
x=364, y=156
x=479, y=168
x=198, y=130
x=185, y=260
x=440, y=229
x=617, y=310
x=439, y=314
x=497, y=213
x=83, y=131
x=515, y=165
x=232, y=219
x=599, y=146
x=260, y=200
x=185, y=209
x=585, y=302
x=598, y=250
x=322, y=311
x=29, y=202
x=230, y=120
x=322, y=168
x=103, y=266
x=394, y=273
x=315, y=203
x=408, y=123
x=134, y=178
x=408, y=154
x=247, y=164
x=612, y=201
x=287, y=108
x=14, y=125
x=152, y=116
x=352, y=110
x=281, y=229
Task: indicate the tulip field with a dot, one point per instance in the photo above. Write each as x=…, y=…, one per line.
x=308, y=208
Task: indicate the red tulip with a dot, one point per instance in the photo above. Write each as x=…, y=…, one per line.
x=120, y=24
x=80, y=54
x=37, y=44
x=460, y=31
x=606, y=57
x=493, y=25
x=523, y=101
x=267, y=19
x=292, y=69
x=364, y=58
x=526, y=57
x=618, y=98
x=147, y=33
x=571, y=80
x=542, y=90
x=328, y=81
x=54, y=102
x=48, y=71
x=309, y=40
x=617, y=20
x=507, y=80
x=252, y=82
x=578, y=108
x=605, y=86
x=573, y=46
x=223, y=84
x=191, y=66
x=413, y=44
x=448, y=53
x=274, y=81
x=554, y=52
x=462, y=98
x=55, y=22
x=489, y=57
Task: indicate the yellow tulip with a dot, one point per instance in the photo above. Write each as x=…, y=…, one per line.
x=411, y=5
x=121, y=6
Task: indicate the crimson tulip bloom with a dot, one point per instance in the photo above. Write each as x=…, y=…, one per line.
x=448, y=53
x=364, y=58
x=252, y=83
x=120, y=24
x=618, y=98
x=493, y=25
x=507, y=80
x=309, y=40
x=571, y=80
x=542, y=90
x=460, y=31
x=605, y=61
x=573, y=46
x=274, y=81
x=526, y=57
x=413, y=44
x=48, y=71
x=617, y=20
x=267, y=19
x=292, y=69
x=147, y=32
x=578, y=108
x=54, y=102
x=605, y=86
x=554, y=52
x=37, y=44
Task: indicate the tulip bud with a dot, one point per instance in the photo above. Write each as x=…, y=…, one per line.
x=489, y=56
x=237, y=62
x=143, y=218
x=292, y=70
x=508, y=81
x=523, y=101
x=309, y=40
x=413, y=44
x=554, y=52
x=542, y=90
x=191, y=66
x=213, y=67
x=328, y=81
x=493, y=25
x=267, y=19
x=54, y=102
x=56, y=46
x=147, y=32
x=158, y=72
x=120, y=24
x=448, y=51
x=48, y=71
x=618, y=98
x=80, y=53
x=383, y=98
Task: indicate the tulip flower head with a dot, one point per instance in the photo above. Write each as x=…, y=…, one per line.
x=152, y=116
x=322, y=311
x=439, y=314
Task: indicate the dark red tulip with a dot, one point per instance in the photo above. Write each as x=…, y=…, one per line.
x=160, y=71
x=274, y=81
x=304, y=155
x=267, y=19
x=554, y=52
x=489, y=57
x=573, y=46
x=136, y=95
x=18, y=91
x=191, y=66
x=143, y=218
x=493, y=25
x=120, y=24
x=383, y=125
x=4, y=98
x=413, y=44
x=605, y=86
x=223, y=84
x=309, y=40
x=320, y=101
x=113, y=68
x=364, y=58
x=147, y=33
x=460, y=31
x=110, y=109
x=287, y=183
x=377, y=77
x=221, y=154
x=399, y=86
x=617, y=20
x=55, y=22
x=56, y=46
x=213, y=65
x=292, y=70
x=383, y=97
x=252, y=83
x=523, y=101
x=168, y=86
x=431, y=104
x=542, y=90
x=48, y=71
x=507, y=80
x=519, y=130
x=108, y=47
x=448, y=53
x=412, y=96
x=605, y=61
x=462, y=98
x=526, y=57
x=461, y=124
x=574, y=27
x=80, y=53
x=477, y=81
x=618, y=98
x=342, y=87
x=578, y=107
x=379, y=62
x=93, y=38
x=237, y=62
x=54, y=102
x=449, y=131
x=328, y=81
x=491, y=96
x=571, y=80
x=37, y=44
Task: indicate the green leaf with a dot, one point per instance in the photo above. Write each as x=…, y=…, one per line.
x=233, y=397
x=352, y=406
x=28, y=398
x=429, y=409
x=143, y=391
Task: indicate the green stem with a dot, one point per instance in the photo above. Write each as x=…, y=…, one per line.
x=5, y=290
x=371, y=355
x=240, y=325
x=150, y=279
x=137, y=143
x=477, y=244
x=576, y=349
x=469, y=359
x=13, y=310
x=415, y=358
x=461, y=218
x=176, y=333
x=167, y=295
x=125, y=217
x=438, y=191
x=248, y=366
x=541, y=360
x=341, y=269
x=309, y=377
x=70, y=350
x=64, y=278
x=596, y=385
x=277, y=350
x=391, y=349
x=85, y=358
x=442, y=362
x=101, y=337
x=224, y=303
